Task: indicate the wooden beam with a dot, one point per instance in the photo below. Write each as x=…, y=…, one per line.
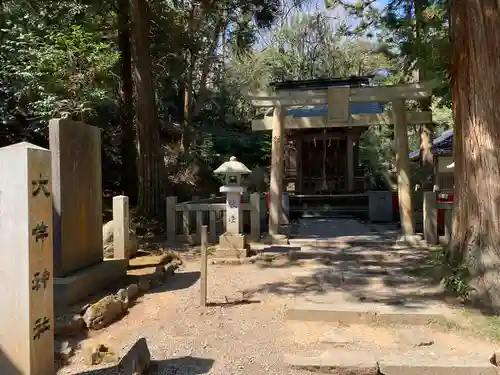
x=403, y=168
x=412, y=91
x=318, y=136
x=412, y=117
x=196, y=207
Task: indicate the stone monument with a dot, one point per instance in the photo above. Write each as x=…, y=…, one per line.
x=26, y=261
x=232, y=243
x=79, y=268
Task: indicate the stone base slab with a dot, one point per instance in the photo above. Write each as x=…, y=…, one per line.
x=75, y=287
x=230, y=253
x=347, y=364
x=232, y=246
x=353, y=315
x=363, y=363
x=275, y=239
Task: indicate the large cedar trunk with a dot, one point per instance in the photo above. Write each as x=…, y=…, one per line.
x=128, y=153
x=426, y=130
x=148, y=135
x=475, y=26
x=188, y=93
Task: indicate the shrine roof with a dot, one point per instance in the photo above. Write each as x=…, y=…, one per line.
x=355, y=108
x=441, y=145
x=322, y=83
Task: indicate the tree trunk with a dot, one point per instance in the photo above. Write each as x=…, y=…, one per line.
x=188, y=93
x=426, y=130
x=205, y=71
x=2, y=22
x=475, y=26
x=189, y=59
x=192, y=110
x=128, y=152
x=148, y=134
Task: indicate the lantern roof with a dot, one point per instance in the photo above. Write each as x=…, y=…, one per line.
x=232, y=166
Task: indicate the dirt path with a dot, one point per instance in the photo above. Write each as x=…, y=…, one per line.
x=239, y=339
x=224, y=339
x=253, y=338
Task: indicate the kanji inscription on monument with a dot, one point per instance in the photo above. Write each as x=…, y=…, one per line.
x=40, y=185
x=40, y=280
x=40, y=232
x=27, y=334
x=233, y=212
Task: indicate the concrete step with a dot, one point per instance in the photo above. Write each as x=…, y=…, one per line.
x=389, y=350
x=362, y=363
x=366, y=313
x=347, y=363
x=341, y=241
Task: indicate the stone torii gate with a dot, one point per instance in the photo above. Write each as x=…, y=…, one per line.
x=338, y=100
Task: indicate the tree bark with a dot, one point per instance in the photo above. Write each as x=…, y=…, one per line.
x=427, y=179
x=192, y=110
x=148, y=132
x=190, y=60
x=2, y=22
x=205, y=71
x=475, y=26
x=188, y=93
x=128, y=152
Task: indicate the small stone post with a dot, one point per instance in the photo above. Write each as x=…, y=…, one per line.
x=430, y=218
x=255, y=217
x=232, y=243
x=204, y=265
x=26, y=261
x=213, y=227
x=121, y=227
x=171, y=219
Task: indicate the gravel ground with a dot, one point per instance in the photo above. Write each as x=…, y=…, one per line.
x=223, y=339
x=248, y=338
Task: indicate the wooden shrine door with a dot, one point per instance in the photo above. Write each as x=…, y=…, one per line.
x=324, y=165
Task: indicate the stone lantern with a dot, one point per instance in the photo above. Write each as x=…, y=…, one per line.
x=232, y=243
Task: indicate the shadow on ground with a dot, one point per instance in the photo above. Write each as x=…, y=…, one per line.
x=181, y=280
x=232, y=303
x=183, y=365
x=366, y=266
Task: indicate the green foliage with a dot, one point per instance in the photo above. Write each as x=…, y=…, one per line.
x=60, y=58
x=307, y=48
x=62, y=73
x=454, y=273
x=413, y=33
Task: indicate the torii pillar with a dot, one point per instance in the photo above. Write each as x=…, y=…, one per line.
x=403, y=168
x=277, y=171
